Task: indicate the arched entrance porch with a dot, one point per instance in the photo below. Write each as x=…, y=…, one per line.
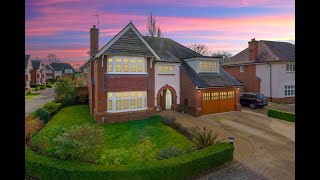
x=166, y=97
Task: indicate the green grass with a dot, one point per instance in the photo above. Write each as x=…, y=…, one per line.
x=118, y=135
x=31, y=95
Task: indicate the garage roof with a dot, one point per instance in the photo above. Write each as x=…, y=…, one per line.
x=207, y=80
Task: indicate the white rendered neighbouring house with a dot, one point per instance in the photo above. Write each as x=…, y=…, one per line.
x=267, y=67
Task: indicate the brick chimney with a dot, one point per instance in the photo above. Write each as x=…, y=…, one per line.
x=94, y=40
x=253, y=49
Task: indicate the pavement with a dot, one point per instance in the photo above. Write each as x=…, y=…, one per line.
x=36, y=102
x=264, y=146
x=278, y=106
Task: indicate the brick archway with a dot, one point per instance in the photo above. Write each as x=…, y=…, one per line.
x=173, y=91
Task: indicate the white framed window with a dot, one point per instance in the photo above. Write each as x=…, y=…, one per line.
x=208, y=66
x=241, y=68
x=49, y=77
x=58, y=73
x=166, y=69
x=127, y=101
x=126, y=65
x=290, y=68
x=68, y=70
x=48, y=71
x=289, y=90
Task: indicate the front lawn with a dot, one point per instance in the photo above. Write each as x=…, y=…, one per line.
x=118, y=135
x=31, y=95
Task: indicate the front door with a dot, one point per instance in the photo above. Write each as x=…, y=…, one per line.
x=168, y=99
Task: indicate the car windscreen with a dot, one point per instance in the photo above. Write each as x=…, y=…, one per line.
x=260, y=96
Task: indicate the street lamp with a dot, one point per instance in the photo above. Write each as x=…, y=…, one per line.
x=231, y=139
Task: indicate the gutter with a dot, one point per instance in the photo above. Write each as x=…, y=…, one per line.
x=270, y=82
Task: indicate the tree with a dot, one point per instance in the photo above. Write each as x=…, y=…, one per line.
x=200, y=48
x=64, y=91
x=52, y=58
x=222, y=54
x=152, y=28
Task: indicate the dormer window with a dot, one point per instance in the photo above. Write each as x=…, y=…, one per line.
x=207, y=66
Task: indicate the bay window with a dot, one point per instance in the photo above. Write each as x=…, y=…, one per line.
x=126, y=65
x=127, y=101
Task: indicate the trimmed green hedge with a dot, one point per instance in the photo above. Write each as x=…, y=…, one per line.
x=181, y=167
x=288, y=116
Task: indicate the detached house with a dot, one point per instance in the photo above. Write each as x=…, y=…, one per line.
x=38, y=75
x=56, y=70
x=27, y=69
x=267, y=67
x=133, y=76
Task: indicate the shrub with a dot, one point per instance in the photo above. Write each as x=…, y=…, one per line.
x=52, y=107
x=37, y=88
x=43, y=86
x=144, y=150
x=169, y=152
x=288, y=116
x=65, y=91
x=43, y=114
x=204, y=137
x=181, y=167
x=114, y=156
x=28, y=92
x=31, y=127
x=80, y=143
x=82, y=99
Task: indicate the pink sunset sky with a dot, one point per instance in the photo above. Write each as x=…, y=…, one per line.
x=62, y=27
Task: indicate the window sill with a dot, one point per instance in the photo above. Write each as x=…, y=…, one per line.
x=124, y=111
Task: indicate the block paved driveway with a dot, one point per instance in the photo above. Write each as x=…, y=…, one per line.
x=36, y=102
x=264, y=147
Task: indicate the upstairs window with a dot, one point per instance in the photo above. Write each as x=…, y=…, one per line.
x=126, y=65
x=290, y=68
x=68, y=71
x=241, y=68
x=48, y=71
x=208, y=66
x=166, y=69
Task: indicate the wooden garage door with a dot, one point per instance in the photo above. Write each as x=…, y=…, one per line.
x=218, y=101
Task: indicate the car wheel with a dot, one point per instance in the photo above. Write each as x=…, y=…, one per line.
x=252, y=106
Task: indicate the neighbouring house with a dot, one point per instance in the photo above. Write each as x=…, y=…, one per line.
x=56, y=70
x=133, y=76
x=38, y=75
x=27, y=69
x=267, y=67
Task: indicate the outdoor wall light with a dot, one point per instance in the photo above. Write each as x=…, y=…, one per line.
x=198, y=91
x=231, y=140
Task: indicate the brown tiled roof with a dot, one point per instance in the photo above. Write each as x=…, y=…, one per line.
x=268, y=51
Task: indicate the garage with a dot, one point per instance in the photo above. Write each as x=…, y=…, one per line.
x=216, y=101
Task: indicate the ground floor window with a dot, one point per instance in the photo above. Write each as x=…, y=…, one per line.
x=289, y=90
x=127, y=101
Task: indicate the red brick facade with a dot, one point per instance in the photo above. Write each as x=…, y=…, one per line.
x=248, y=77
x=282, y=100
x=192, y=97
x=118, y=83
x=189, y=95
x=34, y=76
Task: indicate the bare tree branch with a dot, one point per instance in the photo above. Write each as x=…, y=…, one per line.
x=52, y=58
x=200, y=48
x=222, y=54
x=152, y=28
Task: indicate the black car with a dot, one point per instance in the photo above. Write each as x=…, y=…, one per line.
x=253, y=100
